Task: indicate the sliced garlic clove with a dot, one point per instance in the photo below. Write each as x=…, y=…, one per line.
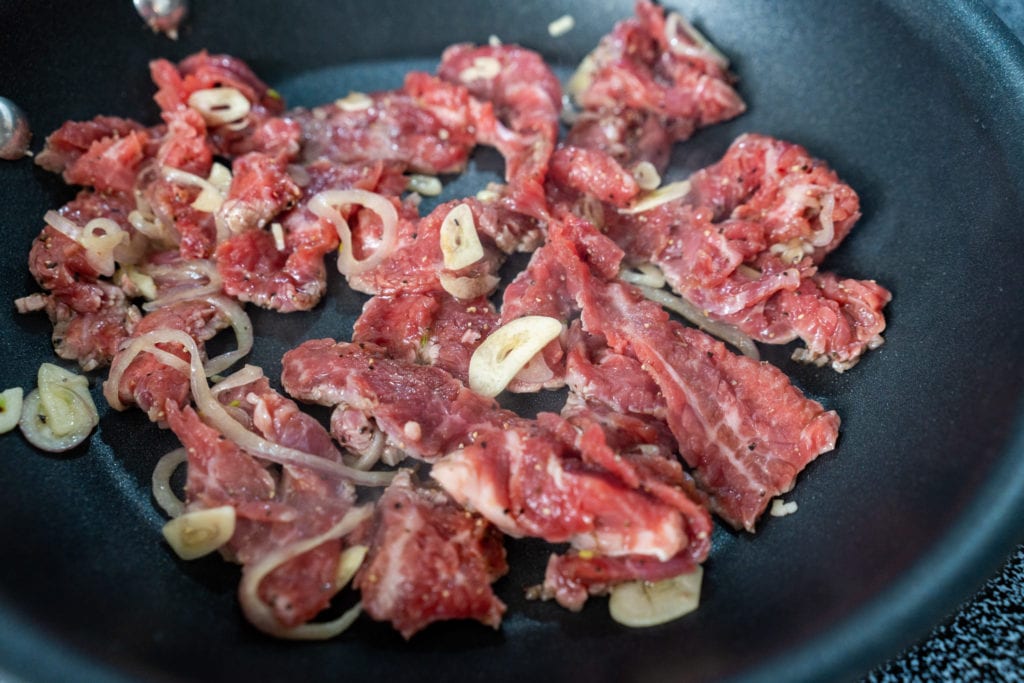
x=350, y=562
x=200, y=532
x=65, y=400
x=35, y=424
x=460, y=244
x=507, y=350
x=426, y=185
x=663, y=195
x=10, y=409
x=646, y=176
x=219, y=106
x=643, y=603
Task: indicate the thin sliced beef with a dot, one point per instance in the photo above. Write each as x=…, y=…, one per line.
x=650, y=72
x=435, y=328
x=527, y=101
x=148, y=382
x=272, y=511
x=429, y=561
x=424, y=126
x=91, y=317
x=536, y=478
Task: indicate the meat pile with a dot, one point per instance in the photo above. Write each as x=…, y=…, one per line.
x=663, y=424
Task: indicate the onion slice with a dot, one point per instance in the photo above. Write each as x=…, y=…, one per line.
x=727, y=333
x=218, y=417
x=324, y=204
x=262, y=616
x=507, y=350
x=36, y=428
x=163, y=494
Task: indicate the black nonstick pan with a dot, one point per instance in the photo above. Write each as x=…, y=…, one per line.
x=919, y=106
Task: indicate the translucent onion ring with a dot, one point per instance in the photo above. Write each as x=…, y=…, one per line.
x=727, y=333
x=262, y=617
x=163, y=494
x=218, y=417
x=324, y=204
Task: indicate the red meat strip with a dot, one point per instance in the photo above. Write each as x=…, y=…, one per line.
x=527, y=477
x=745, y=243
x=650, y=72
x=149, y=383
x=272, y=512
x=260, y=189
x=417, y=262
x=430, y=560
x=527, y=100
x=435, y=329
x=572, y=577
x=425, y=127
x=91, y=317
x=253, y=266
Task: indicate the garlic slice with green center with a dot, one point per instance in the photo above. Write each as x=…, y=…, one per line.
x=645, y=603
x=460, y=243
x=200, y=532
x=507, y=350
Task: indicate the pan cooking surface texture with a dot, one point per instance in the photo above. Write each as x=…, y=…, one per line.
x=919, y=110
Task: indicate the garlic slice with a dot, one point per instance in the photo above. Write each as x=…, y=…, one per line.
x=643, y=603
x=426, y=185
x=200, y=532
x=460, y=243
x=58, y=391
x=218, y=106
x=10, y=409
x=35, y=425
x=484, y=68
x=350, y=562
x=663, y=195
x=507, y=350
x=646, y=176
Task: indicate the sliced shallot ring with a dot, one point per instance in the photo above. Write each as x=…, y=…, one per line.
x=194, y=270
x=210, y=197
x=218, y=417
x=246, y=375
x=324, y=204
x=99, y=249
x=163, y=494
x=262, y=616
x=663, y=195
x=507, y=350
x=241, y=324
x=639, y=604
x=460, y=243
x=218, y=106
x=727, y=333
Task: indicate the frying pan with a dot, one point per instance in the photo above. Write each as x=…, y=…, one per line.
x=919, y=106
